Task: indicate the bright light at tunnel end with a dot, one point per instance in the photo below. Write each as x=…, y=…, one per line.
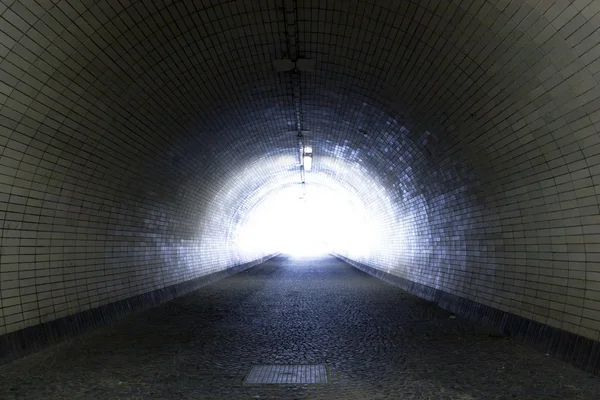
x=320, y=222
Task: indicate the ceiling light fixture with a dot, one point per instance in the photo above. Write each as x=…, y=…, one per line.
x=307, y=162
x=307, y=158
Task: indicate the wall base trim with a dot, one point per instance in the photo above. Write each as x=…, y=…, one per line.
x=20, y=343
x=575, y=349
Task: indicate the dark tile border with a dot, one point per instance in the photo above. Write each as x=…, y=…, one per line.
x=26, y=341
x=577, y=350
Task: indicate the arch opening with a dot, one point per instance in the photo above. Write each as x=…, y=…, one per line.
x=307, y=221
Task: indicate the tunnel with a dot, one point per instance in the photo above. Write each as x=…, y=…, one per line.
x=448, y=151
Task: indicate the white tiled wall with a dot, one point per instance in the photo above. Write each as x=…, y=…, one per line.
x=491, y=140
x=131, y=131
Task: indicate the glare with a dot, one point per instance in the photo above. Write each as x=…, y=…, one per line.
x=307, y=222
x=307, y=162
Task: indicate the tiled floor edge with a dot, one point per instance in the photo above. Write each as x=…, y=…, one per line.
x=20, y=343
x=575, y=349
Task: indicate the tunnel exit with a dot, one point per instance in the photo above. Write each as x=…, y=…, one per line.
x=307, y=221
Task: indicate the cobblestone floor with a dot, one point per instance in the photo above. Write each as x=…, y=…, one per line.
x=377, y=341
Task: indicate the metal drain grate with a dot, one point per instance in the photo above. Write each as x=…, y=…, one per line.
x=285, y=374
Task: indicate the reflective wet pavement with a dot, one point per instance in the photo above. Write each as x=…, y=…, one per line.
x=377, y=342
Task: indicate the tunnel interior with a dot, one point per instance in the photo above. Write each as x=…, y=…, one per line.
x=454, y=144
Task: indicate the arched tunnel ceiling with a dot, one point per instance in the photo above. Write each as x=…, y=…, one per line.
x=126, y=128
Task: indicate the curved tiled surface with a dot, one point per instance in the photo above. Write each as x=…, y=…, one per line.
x=132, y=131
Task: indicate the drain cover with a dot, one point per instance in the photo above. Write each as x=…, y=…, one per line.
x=282, y=374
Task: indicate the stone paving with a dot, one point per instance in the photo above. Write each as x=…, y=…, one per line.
x=377, y=342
